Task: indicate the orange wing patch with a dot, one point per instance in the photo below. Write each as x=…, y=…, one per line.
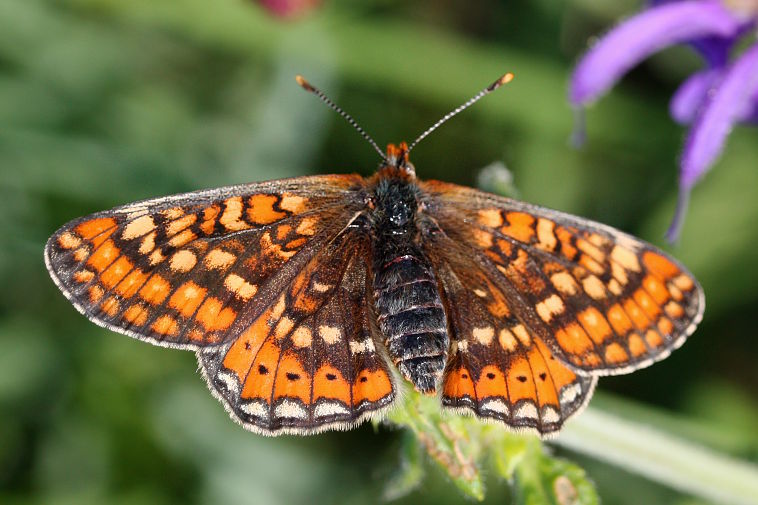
x=497, y=367
x=590, y=291
x=309, y=361
x=175, y=271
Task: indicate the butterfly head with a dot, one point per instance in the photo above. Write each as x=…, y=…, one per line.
x=397, y=159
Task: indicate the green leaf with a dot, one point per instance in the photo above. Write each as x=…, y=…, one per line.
x=449, y=441
x=539, y=478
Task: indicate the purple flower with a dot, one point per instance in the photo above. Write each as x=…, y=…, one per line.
x=711, y=101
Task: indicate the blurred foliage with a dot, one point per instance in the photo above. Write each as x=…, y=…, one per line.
x=104, y=102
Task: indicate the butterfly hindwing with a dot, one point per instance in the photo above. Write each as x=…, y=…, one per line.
x=309, y=362
x=497, y=367
x=190, y=270
x=603, y=301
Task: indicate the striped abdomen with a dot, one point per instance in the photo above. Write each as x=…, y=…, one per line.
x=410, y=314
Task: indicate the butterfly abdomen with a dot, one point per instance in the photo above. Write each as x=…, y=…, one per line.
x=408, y=307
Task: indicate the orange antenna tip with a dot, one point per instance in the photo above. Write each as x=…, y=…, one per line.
x=303, y=83
x=505, y=79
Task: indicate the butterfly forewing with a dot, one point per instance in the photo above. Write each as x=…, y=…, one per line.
x=603, y=301
x=498, y=368
x=192, y=270
x=273, y=285
x=309, y=362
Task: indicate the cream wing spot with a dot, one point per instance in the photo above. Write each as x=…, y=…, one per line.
x=148, y=243
x=321, y=288
x=172, y=213
x=483, y=238
x=594, y=287
x=218, y=259
x=139, y=227
x=591, y=265
x=549, y=307
x=255, y=409
x=180, y=224
x=360, y=347
x=526, y=411
x=240, y=287
x=494, y=405
x=307, y=226
x=229, y=380
x=522, y=335
x=156, y=257
x=292, y=203
x=625, y=258
x=507, y=340
x=68, y=240
x=231, y=219
x=484, y=335
x=459, y=346
x=564, y=282
x=591, y=250
x=676, y=294
x=491, y=218
x=302, y=337
x=673, y=309
x=683, y=282
x=619, y=273
x=278, y=310
x=329, y=409
x=545, y=234
x=330, y=334
x=290, y=409
x=183, y=261
x=614, y=287
x=570, y=393
x=84, y=276
x=283, y=327
x=81, y=253
x=550, y=415
x=182, y=238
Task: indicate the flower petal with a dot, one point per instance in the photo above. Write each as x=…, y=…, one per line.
x=730, y=101
x=643, y=34
x=692, y=93
x=288, y=8
x=733, y=99
x=715, y=50
x=751, y=115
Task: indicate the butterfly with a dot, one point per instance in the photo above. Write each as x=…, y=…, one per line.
x=313, y=302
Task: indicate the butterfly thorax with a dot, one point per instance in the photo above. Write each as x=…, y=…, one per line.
x=406, y=298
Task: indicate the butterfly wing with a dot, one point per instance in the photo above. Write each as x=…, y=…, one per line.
x=309, y=362
x=497, y=367
x=603, y=301
x=194, y=269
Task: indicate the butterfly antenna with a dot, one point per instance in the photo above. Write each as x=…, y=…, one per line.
x=313, y=89
x=505, y=79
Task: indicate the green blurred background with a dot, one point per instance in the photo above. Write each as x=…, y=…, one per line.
x=103, y=102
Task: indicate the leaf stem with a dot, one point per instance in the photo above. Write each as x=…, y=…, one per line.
x=662, y=457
